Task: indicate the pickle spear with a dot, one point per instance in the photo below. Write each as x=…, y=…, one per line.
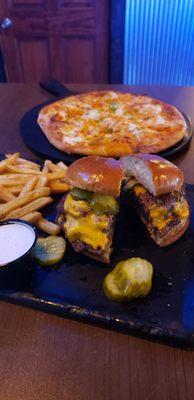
x=50, y=250
x=129, y=279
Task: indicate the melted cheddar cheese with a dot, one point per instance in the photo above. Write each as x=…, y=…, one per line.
x=181, y=209
x=160, y=216
x=88, y=228
x=139, y=189
x=76, y=207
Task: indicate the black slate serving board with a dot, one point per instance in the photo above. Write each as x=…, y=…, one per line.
x=74, y=287
x=35, y=139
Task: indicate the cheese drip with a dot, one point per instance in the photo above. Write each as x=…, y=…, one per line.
x=82, y=224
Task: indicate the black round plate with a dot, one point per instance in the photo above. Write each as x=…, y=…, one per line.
x=35, y=139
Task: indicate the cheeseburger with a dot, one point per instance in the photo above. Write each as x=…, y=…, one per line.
x=89, y=210
x=155, y=187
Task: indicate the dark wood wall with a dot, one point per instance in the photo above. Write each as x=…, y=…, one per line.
x=63, y=39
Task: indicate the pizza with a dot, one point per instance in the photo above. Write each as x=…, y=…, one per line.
x=112, y=124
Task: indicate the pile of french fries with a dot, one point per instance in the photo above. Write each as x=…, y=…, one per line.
x=25, y=188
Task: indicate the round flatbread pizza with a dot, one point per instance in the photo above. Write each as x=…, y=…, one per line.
x=112, y=124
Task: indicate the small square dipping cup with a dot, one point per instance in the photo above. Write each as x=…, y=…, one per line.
x=16, y=272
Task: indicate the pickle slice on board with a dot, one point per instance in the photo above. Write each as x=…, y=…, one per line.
x=129, y=279
x=50, y=250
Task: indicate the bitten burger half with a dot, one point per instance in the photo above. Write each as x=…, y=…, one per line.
x=89, y=210
x=155, y=187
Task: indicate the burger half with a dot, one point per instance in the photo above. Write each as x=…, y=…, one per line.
x=90, y=208
x=155, y=187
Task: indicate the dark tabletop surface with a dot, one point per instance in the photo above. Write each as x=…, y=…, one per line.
x=43, y=356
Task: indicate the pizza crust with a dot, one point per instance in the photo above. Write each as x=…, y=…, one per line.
x=85, y=124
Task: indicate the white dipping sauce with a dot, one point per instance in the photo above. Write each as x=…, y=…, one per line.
x=15, y=240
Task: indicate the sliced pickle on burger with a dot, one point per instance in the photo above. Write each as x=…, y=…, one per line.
x=80, y=194
x=102, y=204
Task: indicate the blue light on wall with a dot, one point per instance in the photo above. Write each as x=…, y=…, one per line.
x=159, y=42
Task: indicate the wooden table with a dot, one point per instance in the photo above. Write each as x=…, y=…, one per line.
x=45, y=357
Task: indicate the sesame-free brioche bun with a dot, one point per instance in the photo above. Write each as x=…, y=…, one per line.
x=96, y=174
x=158, y=175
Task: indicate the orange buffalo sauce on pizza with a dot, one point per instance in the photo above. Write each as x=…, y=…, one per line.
x=112, y=124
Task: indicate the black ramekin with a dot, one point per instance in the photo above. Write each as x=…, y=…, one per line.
x=17, y=272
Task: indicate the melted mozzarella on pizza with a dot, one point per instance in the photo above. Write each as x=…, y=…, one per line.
x=102, y=118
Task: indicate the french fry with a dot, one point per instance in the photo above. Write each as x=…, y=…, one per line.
x=30, y=185
x=8, y=161
x=53, y=167
x=14, y=181
x=17, y=177
x=45, y=168
x=55, y=175
x=15, y=189
x=62, y=165
x=32, y=217
x=23, y=200
x=23, y=170
x=30, y=207
x=59, y=187
x=48, y=227
x=5, y=194
x=23, y=161
x=30, y=165
x=42, y=181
